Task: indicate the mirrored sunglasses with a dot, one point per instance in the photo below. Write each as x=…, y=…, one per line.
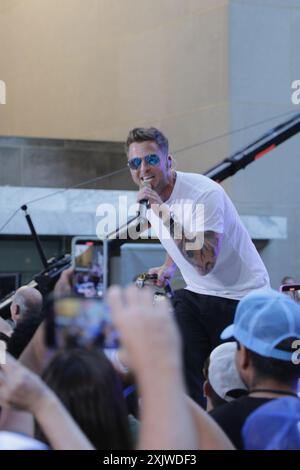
x=135, y=163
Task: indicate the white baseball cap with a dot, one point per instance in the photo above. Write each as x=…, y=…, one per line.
x=222, y=372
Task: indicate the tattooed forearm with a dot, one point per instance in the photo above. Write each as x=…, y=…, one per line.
x=200, y=249
x=203, y=257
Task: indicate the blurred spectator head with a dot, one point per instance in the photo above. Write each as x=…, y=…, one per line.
x=267, y=326
x=223, y=383
x=26, y=301
x=86, y=383
x=274, y=426
x=288, y=280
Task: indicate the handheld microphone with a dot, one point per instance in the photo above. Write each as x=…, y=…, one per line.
x=144, y=204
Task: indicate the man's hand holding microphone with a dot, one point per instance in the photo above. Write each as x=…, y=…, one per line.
x=147, y=197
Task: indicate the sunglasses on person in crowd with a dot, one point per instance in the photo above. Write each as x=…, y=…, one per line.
x=135, y=162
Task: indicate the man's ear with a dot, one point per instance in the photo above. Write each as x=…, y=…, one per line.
x=15, y=310
x=206, y=388
x=242, y=358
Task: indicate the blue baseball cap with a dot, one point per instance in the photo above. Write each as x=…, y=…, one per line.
x=274, y=426
x=262, y=320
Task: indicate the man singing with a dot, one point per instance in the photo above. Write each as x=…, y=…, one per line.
x=203, y=235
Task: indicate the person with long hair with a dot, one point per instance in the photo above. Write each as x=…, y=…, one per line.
x=87, y=385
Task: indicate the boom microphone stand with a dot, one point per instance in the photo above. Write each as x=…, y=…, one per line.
x=46, y=279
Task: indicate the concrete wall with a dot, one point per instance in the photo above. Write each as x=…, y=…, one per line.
x=89, y=71
x=62, y=163
x=77, y=69
x=264, y=60
x=79, y=74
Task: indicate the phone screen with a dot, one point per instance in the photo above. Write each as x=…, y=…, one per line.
x=88, y=278
x=81, y=322
x=292, y=290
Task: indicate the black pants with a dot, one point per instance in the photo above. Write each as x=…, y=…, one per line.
x=201, y=319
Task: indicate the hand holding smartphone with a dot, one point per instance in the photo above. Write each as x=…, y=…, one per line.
x=79, y=315
x=88, y=260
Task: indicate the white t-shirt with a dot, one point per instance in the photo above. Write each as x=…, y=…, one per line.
x=200, y=204
x=16, y=441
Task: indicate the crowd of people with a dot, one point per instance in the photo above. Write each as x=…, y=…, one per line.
x=75, y=397
x=211, y=369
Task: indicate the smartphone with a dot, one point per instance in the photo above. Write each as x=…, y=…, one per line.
x=89, y=264
x=80, y=322
x=293, y=290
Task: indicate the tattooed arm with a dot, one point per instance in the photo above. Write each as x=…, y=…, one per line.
x=199, y=249
x=202, y=257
